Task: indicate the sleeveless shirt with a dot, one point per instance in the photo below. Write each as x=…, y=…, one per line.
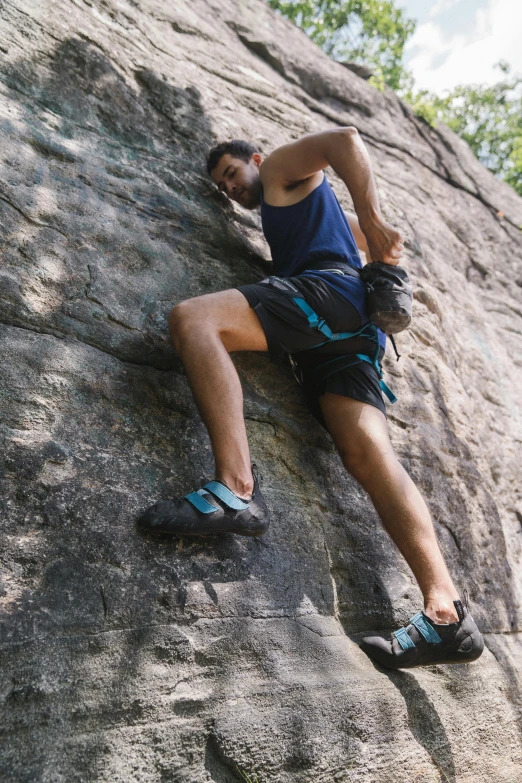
x=315, y=229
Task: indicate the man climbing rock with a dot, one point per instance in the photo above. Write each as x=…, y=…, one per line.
x=313, y=293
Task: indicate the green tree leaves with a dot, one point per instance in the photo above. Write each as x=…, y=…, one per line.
x=368, y=32
x=489, y=118
x=374, y=33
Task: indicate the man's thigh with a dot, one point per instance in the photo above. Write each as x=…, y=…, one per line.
x=226, y=312
x=358, y=429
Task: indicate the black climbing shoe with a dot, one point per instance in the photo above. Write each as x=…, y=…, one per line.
x=212, y=509
x=424, y=643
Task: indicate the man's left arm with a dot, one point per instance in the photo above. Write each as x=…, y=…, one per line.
x=360, y=239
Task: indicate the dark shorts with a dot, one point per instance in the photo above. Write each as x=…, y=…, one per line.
x=289, y=336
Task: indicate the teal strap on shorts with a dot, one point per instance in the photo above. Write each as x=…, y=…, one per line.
x=319, y=323
x=384, y=387
x=367, y=330
x=387, y=391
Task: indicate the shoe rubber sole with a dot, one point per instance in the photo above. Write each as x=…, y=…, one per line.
x=159, y=533
x=458, y=657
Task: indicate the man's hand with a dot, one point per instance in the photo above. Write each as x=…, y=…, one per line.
x=384, y=242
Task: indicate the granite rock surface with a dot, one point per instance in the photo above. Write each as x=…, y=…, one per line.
x=131, y=659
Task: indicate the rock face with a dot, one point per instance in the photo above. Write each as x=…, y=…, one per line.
x=134, y=659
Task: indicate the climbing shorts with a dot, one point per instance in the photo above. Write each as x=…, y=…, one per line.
x=291, y=340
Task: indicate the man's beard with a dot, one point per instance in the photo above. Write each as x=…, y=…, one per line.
x=252, y=195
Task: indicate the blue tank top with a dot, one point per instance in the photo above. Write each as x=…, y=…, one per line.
x=315, y=229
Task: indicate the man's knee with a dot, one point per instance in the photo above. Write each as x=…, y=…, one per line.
x=365, y=457
x=354, y=460
x=184, y=318
x=225, y=315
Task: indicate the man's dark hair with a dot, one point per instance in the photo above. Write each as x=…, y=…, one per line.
x=238, y=148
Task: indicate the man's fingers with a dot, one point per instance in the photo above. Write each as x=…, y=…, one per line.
x=393, y=256
x=389, y=245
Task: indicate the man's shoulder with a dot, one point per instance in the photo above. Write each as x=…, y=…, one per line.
x=272, y=169
x=279, y=191
x=298, y=161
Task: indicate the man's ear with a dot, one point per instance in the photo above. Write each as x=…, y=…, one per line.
x=256, y=158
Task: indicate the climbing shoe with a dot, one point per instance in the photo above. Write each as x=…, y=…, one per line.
x=212, y=509
x=423, y=642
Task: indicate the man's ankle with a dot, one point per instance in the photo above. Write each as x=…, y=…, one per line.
x=242, y=487
x=441, y=609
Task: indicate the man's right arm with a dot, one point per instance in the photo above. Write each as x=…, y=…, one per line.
x=343, y=150
x=350, y=161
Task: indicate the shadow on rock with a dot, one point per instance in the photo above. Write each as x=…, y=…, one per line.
x=425, y=724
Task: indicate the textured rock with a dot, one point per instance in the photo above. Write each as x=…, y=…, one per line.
x=132, y=659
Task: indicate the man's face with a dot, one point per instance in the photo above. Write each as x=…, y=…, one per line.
x=238, y=179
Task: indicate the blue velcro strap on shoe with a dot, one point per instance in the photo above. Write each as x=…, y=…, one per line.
x=224, y=494
x=425, y=629
x=404, y=640
x=200, y=503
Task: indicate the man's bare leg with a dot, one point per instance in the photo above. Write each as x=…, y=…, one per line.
x=360, y=434
x=204, y=331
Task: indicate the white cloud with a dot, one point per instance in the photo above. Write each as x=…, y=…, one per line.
x=441, y=6
x=440, y=62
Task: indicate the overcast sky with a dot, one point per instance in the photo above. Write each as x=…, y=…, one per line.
x=459, y=41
